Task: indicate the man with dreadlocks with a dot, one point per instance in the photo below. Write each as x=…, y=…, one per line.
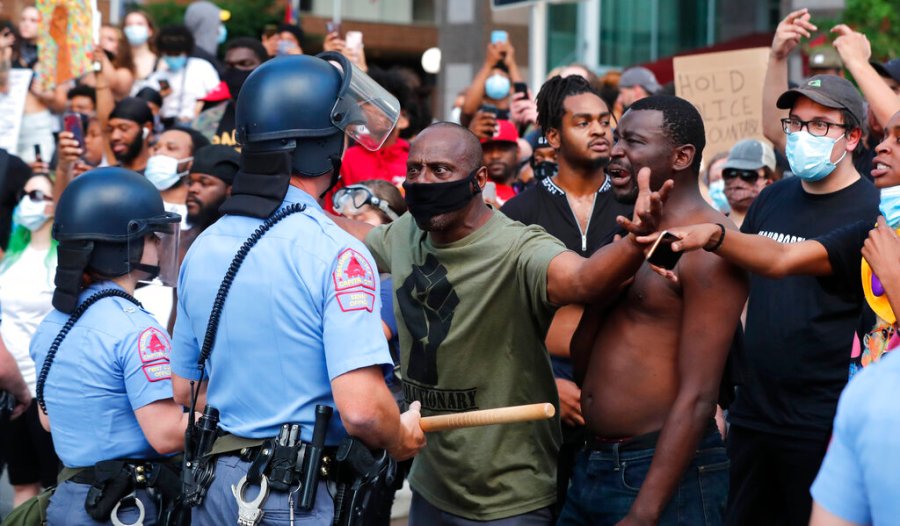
x=651, y=360
x=577, y=207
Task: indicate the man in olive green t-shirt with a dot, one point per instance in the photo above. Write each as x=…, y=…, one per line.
x=475, y=293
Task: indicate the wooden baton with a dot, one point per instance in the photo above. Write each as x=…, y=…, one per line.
x=486, y=417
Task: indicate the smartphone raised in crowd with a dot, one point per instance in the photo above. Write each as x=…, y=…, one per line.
x=38, y=158
x=354, y=40
x=72, y=123
x=661, y=253
x=520, y=87
x=498, y=36
x=333, y=27
x=489, y=108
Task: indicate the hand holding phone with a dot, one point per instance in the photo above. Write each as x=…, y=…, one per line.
x=354, y=40
x=72, y=123
x=498, y=36
x=333, y=27
x=661, y=253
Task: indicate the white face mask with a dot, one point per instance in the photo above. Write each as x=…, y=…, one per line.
x=30, y=214
x=162, y=171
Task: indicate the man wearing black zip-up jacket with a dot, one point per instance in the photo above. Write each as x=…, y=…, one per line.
x=577, y=207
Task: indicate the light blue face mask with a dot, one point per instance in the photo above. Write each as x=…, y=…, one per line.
x=717, y=194
x=223, y=34
x=497, y=87
x=136, y=35
x=810, y=156
x=175, y=64
x=890, y=206
x=30, y=214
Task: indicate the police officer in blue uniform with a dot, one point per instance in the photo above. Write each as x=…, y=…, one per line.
x=104, y=386
x=297, y=323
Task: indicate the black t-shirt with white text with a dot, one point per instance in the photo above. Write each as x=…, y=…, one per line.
x=800, y=329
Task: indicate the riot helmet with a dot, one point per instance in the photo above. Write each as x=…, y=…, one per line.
x=101, y=221
x=291, y=117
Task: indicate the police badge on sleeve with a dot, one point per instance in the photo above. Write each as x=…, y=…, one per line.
x=354, y=282
x=154, y=348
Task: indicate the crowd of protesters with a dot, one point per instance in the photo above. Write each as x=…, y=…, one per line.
x=709, y=390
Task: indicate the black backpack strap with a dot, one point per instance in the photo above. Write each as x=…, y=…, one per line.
x=76, y=315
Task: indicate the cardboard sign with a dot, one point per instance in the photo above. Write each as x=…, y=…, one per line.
x=12, y=105
x=65, y=40
x=726, y=88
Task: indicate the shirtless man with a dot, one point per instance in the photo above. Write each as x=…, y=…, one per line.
x=652, y=359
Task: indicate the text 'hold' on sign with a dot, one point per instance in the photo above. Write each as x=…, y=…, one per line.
x=726, y=88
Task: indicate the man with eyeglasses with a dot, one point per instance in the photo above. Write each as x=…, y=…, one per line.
x=750, y=167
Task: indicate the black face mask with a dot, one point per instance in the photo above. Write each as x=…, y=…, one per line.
x=427, y=200
x=544, y=169
x=234, y=78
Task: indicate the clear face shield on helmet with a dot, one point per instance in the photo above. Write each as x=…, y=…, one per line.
x=159, y=249
x=350, y=201
x=364, y=111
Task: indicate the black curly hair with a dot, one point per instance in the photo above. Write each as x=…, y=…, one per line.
x=682, y=122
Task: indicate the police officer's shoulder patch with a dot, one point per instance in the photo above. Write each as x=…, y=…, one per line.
x=158, y=371
x=353, y=270
x=153, y=345
x=356, y=300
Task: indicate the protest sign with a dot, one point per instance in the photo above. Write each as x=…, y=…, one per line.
x=12, y=106
x=65, y=40
x=726, y=87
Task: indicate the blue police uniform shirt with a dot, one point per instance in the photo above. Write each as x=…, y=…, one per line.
x=302, y=310
x=858, y=478
x=114, y=361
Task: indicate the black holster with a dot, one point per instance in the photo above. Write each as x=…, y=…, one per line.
x=199, y=468
x=364, y=477
x=112, y=482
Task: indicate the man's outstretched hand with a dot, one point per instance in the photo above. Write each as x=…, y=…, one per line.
x=648, y=208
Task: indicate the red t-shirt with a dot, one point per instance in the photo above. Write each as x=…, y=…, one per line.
x=388, y=163
x=360, y=164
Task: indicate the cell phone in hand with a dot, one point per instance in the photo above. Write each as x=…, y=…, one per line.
x=498, y=36
x=489, y=108
x=333, y=27
x=72, y=123
x=520, y=87
x=163, y=85
x=354, y=40
x=661, y=253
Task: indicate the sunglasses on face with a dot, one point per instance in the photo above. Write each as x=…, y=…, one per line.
x=748, y=176
x=36, y=196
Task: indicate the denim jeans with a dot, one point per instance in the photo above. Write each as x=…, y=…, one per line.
x=67, y=507
x=220, y=507
x=606, y=483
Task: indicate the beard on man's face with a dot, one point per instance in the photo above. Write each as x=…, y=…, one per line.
x=134, y=149
x=206, y=214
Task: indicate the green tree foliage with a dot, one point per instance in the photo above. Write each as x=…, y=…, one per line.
x=879, y=20
x=248, y=17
